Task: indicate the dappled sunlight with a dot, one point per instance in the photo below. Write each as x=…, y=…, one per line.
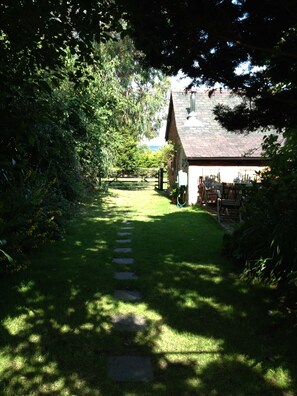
x=189, y=284
x=25, y=287
x=235, y=373
x=15, y=325
x=206, y=329
x=170, y=341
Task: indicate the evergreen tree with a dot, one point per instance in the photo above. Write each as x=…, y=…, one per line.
x=209, y=40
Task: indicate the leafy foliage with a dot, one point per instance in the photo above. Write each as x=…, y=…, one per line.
x=139, y=95
x=62, y=131
x=36, y=33
x=247, y=45
x=266, y=243
x=149, y=158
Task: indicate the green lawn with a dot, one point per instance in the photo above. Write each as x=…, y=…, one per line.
x=209, y=332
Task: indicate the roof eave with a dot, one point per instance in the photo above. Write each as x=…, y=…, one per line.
x=169, y=118
x=226, y=158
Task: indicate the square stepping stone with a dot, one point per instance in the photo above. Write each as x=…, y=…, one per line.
x=129, y=322
x=123, y=241
x=126, y=228
x=125, y=276
x=122, y=250
x=127, y=233
x=123, y=261
x=130, y=368
x=127, y=295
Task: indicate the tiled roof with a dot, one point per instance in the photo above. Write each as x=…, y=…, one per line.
x=209, y=139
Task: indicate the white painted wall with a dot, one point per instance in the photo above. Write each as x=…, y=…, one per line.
x=227, y=175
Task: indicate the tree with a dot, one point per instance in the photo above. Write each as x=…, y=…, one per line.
x=209, y=39
x=35, y=33
x=140, y=95
x=62, y=130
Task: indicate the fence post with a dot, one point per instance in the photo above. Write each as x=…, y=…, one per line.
x=160, y=179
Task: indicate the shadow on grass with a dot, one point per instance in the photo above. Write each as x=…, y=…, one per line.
x=195, y=291
x=56, y=333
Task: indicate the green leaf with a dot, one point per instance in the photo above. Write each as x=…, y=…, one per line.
x=9, y=258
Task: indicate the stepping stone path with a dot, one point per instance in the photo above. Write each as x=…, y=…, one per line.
x=127, y=295
x=123, y=261
x=128, y=367
x=122, y=250
x=125, y=275
x=129, y=322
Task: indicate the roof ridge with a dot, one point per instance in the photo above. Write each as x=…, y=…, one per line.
x=224, y=90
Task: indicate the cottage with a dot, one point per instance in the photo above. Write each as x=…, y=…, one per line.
x=203, y=148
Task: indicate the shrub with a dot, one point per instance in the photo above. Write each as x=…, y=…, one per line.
x=265, y=244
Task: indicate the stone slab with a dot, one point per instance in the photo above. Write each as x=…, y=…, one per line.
x=129, y=322
x=122, y=250
x=130, y=368
x=123, y=261
x=123, y=240
x=127, y=295
x=127, y=233
x=125, y=276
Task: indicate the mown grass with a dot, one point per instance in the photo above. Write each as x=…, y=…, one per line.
x=209, y=332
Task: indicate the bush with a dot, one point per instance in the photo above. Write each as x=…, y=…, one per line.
x=265, y=244
x=30, y=214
